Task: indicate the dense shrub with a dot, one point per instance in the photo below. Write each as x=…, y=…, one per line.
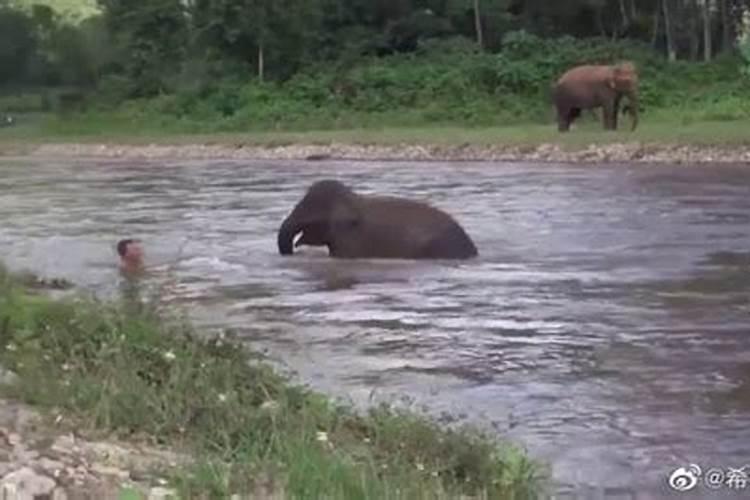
x=443, y=81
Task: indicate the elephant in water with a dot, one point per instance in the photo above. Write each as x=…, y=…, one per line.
x=358, y=226
x=593, y=86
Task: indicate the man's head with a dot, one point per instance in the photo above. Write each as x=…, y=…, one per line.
x=130, y=252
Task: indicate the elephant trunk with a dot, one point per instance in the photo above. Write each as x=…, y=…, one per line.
x=633, y=97
x=288, y=230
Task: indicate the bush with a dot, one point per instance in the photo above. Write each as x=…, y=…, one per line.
x=22, y=103
x=129, y=368
x=444, y=81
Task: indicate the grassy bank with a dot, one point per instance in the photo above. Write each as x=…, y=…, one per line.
x=445, y=93
x=664, y=132
x=137, y=373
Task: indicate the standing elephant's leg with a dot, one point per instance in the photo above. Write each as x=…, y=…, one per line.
x=607, y=110
x=616, y=112
x=563, y=118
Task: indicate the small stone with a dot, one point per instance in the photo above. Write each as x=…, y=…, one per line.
x=64, y=444
x=106, y=470
x=162, y=493
x=25, y=456
x=50, y=465
x=7, y=377
x=5, y=468
x=25, y=483
x=14, y=439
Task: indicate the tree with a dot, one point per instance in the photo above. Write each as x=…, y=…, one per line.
x=478, y=24
x=671, y=52
x=151, y=37
x=18, y=46
x=273, y=35
x=706, y=8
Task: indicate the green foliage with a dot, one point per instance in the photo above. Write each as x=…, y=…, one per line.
x=234, y=65
x=18, y=46
x=151, y=38
x=744, y=49
x=22, y=103
x=445, y=81
x=128, y=368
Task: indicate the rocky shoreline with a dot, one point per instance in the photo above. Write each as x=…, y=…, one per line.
x=41, y=459
x=594, y=153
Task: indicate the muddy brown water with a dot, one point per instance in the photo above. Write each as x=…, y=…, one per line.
x=604, y=327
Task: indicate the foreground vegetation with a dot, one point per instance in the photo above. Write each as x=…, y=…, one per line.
x=330, y=65
x=127, y=369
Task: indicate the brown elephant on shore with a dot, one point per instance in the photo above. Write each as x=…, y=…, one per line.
x=357, y=226
x=594, y=86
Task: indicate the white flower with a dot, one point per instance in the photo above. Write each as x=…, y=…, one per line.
x=269, y=405
x=11, y=347
x=366, y=440
x=222, y=398
x=170, y=356
x=322, y=436
x=420, y=467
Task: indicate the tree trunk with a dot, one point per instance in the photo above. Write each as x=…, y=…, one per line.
x=689, y=16
x=600, y=23
x=478, y=25
x=726, y=26
x=655, y=33
x=261, y=63
x=706, y=30
x=624, y=14
x=671, y=54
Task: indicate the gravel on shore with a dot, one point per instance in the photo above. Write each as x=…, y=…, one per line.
x=39, y=459
x=593, y=153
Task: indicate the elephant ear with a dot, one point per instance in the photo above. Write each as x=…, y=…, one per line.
x=611, y=83
x=624, y=76
x=345, y=215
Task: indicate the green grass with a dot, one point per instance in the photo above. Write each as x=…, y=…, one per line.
x=126, y=369
x=659, y=131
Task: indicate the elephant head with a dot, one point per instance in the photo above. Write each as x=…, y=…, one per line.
x=328, y=204
x=623, y=78
x=356, y=226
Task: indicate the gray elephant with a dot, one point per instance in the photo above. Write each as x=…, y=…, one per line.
x=593, y=86
x=358, y=226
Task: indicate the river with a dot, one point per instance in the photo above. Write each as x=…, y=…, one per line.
x=603, y=326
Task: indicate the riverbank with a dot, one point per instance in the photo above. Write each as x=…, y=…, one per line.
x=661, y=142
x=593, y=153
x=227, y=423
